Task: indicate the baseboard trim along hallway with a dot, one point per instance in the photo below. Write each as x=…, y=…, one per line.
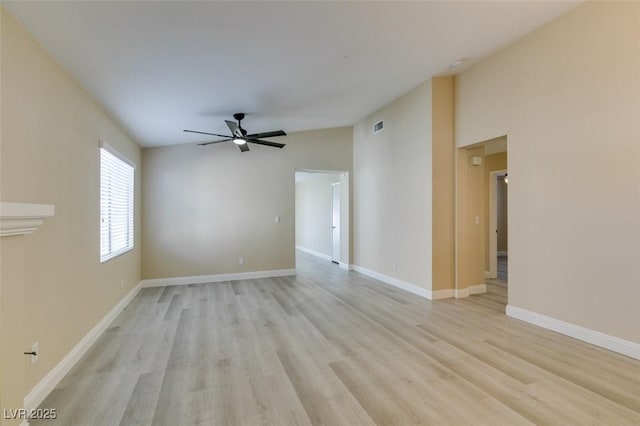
x=314, y=253
x=597, y=338
x=472, y=289
x=343, y=265
x=421, y=291
x=411, y=288
x=346, y=266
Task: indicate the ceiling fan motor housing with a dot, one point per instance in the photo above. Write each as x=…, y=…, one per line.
x=240, y=137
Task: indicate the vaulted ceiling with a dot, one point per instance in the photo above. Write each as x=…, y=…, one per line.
x=160, y=67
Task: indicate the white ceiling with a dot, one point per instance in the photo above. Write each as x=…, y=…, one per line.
x=160, y=67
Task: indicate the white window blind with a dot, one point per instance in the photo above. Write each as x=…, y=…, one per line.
x=116, y=205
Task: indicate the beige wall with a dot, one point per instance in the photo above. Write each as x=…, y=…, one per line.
x=346, y=218
x=568, y=96
x=443, y=188
x=204, y=207
x=471, y=221
x=49, y=154
x=314, y=212
x=13, y=364
x=392, y=184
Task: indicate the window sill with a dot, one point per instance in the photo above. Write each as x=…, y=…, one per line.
x=116, y=255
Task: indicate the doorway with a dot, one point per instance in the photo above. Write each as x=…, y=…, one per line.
x=477, y=168
x=322, y=215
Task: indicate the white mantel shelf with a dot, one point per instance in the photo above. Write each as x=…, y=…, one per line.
x=23, y=218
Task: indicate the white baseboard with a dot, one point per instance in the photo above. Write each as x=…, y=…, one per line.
x=314, y=253
x=346, y=266
x=477, y=289
x=40, y=391
x=411, y=288
x=472, y=289
x=597, y=338
x=446, y=293
x=488, y=275
x=203, y=279
x=323, y=256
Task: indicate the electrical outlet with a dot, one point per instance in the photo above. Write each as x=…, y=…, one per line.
x=277, y=219
x=35, y=348
x=241, y=261
x=121, y=283
x=395, y=265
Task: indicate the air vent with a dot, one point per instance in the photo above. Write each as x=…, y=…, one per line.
x=378, y=126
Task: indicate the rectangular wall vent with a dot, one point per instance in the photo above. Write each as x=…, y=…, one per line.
x=378, y=126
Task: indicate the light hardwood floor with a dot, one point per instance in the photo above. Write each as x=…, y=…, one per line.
x=337, y=348
x=503, y=268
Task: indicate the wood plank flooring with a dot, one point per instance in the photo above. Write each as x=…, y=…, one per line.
x=331, y=347
x=503, y=268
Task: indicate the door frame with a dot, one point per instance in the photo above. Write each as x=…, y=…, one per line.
x=346, y=207
x=493, y=222
x=335, y=245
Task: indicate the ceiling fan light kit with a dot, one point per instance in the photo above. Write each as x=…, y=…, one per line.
x=240, y=137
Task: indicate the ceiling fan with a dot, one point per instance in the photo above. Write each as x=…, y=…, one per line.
x=240, y=137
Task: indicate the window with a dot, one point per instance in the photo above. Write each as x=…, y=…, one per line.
x=116, y=204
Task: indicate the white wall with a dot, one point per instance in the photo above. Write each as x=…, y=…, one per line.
x=568, y=98
x=204, y=207
x=392, y=189
x=314, y=213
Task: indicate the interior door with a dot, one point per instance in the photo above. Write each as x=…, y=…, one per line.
x=335, y=223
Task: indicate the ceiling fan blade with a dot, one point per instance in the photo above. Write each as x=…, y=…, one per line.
x=244, y=147
x=260, y=142
x=267, y=134
x=235, y=129
x=209, y=143
x=206, y=133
